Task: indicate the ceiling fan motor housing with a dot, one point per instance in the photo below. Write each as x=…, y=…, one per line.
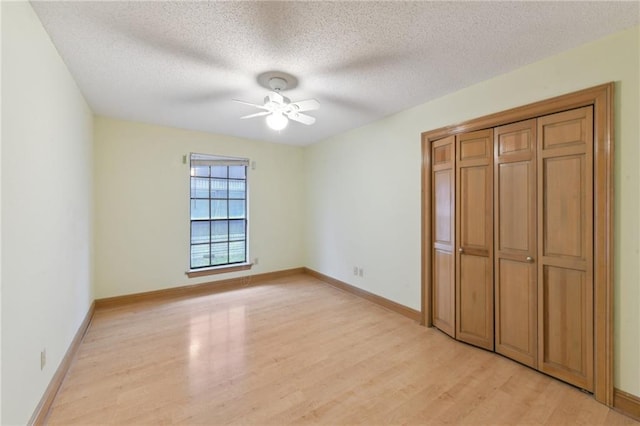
x=277, y=83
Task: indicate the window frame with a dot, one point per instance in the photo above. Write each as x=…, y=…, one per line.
x=210, y=161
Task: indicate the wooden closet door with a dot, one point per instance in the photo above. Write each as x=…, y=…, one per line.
x=565, y=246
x=515, y=242
x=474, y=238
x=443, y=227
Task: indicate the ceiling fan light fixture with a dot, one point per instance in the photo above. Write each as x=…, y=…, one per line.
x=278, y=109
x=277, y=121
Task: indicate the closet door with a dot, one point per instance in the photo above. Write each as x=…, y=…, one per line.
x=565, y=246
x=443, y=227
x=515, y=242
x=474, y=238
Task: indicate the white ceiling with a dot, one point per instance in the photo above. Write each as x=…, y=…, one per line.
x=180, y=63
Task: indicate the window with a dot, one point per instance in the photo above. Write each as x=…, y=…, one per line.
x=218, y=211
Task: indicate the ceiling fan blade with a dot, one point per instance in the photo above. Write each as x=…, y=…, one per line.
x=249, y=103
x=301, y=118
x=307, y=105
x=276, y=97
x=257, y=114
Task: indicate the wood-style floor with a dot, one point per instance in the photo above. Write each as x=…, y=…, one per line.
x=297, y=351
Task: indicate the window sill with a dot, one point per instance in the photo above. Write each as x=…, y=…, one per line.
x=218, y=270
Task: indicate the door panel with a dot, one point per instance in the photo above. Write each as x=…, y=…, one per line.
x=472, y=147
x=515, y=206
x=473, y=204
x=564, y=316
x=442, y=152
x=476, y=292
x=443, y=223
x=564, y=221
x=573, y=129
x=514, y=139
x=444, y=292
x=565, y=250
x=474, y=238
x=442, y=183
x=515, y=242
x=517, y=328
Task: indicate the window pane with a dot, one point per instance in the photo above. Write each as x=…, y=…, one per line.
x=199, y=232
x=219, y=171
x=237, y=172
x=199, y=209
x=219, y=253
x=237, y=189
x=219, y=230
x=218, y=209
x=199, y=187
x=200, y=171
x=219, y=188
x=236, y=251
x=200, y=255
x=236, y=208
x=237, y=230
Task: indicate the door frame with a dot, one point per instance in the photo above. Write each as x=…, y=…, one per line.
x=601, y=97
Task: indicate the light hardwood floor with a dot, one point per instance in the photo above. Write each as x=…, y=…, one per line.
x=297, y=351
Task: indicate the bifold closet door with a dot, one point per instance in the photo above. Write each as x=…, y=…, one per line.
x=565, y=246
x=516, y=289
x=474, y=238
x=443, y=227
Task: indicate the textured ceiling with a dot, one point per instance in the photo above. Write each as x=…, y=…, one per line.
x=180, y=64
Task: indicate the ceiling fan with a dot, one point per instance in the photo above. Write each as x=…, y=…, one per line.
x=279, y=109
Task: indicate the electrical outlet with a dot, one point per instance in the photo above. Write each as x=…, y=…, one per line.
x=360, y=271
x=255, y=261
x=355, y=271
x=43, y=358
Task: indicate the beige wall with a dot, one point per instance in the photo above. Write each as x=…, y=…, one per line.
x=142, y=205
x=363, y=186
x=46, y=210
x=0, y=231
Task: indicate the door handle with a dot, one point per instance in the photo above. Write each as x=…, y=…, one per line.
x=460, y=250
x=529, y=259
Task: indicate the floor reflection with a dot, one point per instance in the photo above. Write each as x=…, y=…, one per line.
x=216, y=347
